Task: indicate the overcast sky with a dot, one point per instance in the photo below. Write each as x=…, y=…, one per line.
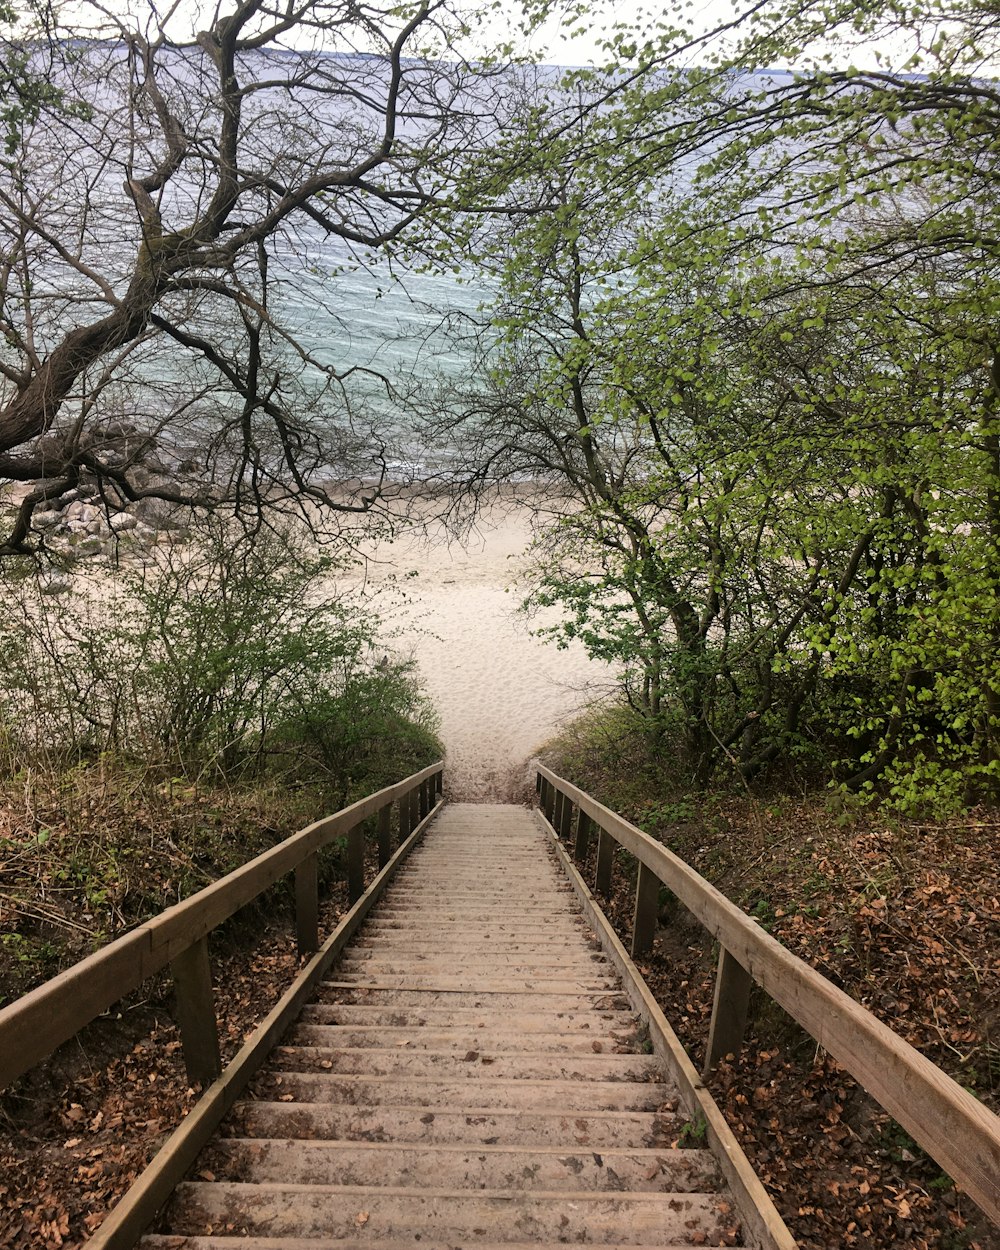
x=554, y=43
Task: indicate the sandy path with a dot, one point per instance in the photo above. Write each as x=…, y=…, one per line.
x=500, y=692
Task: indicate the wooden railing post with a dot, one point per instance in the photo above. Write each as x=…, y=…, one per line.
x=557, y=808
x=582, y=845
x=439, y=782
x=566, y=818
x=355, y=863
x=307, y=905
x=647, y=897
x=729, y=1009
x=605, y=862
x=548, y=801
x=414, y=807
x=192, y=974
x=384, y=835
x=404, y=818
x=424, y=805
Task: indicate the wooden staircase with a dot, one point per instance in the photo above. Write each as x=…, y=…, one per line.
x=472, y=1076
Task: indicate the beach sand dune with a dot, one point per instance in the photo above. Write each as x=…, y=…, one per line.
x=500, y=691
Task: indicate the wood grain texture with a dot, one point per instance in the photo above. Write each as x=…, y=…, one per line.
x=307, y=905
x=196, y=1019
x=647, y=893
x=730, y=1005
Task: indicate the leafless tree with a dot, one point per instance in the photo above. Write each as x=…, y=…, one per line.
x=182, y=179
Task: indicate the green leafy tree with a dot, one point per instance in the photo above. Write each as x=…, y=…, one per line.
x=770, y=404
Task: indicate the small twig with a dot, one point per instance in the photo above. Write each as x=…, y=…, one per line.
x=40, y=913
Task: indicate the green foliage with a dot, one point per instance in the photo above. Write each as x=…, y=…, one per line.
x=747, y=331
x=694, y=1133
x=219, y=657
x=26, y=86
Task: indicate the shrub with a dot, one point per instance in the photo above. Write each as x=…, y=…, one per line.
x=215, y=656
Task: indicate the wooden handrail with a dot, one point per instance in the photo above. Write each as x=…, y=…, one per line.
x=33, y=1026
x=955, y=1129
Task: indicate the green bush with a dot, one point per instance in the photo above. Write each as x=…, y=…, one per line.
x=215, y=657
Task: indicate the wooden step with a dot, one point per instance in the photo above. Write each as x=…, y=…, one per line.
x=165, y=1241
x=455, y=1166
x=352, y=1036
x=484, y=964
x=568, y=1095
x=472, y=1064
x=458, y=1124
x=336, y=1212
x=469, y=1075
x=499, y=983
x=497, y=1001
x=426, y=1016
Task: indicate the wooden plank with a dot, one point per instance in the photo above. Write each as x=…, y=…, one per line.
x=199, y=1028
x=40, y=1021
x=137, y=1208
x=307, y=905
x=730, y=1006
x=404, y=818
x=565, y=820
x=36, y=1024
x=763, y=1227
x=355, y=863
x=647, y=897
x=414, y=799
x=605, y=862
x=953, y=1127
x=557, y=810
x=583, y=827
x=385, y=835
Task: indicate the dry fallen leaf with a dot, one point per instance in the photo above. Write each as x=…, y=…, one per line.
x=361, y=1219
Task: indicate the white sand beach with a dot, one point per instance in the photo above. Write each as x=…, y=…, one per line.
x=499, y=691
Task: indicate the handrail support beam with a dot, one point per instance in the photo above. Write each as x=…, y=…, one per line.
x=192, y=974
x=730, y=1007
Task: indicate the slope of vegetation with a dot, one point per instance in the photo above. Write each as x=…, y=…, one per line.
x=903, y=914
